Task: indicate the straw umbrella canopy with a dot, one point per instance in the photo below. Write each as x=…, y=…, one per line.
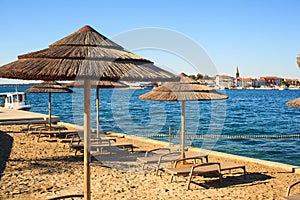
x=98, y=85
x=49, y=87
x=84, y=55
x=185, y=90
x=294, y=103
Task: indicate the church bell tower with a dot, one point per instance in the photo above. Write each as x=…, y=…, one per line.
x=237, y=74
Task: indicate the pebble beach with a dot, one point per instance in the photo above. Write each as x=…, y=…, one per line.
x=45, y=169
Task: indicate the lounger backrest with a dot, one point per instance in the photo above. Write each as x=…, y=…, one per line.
x=170, y=156
x=81, y=134
x=93, y=134
x=290, y=187
x=158, y=151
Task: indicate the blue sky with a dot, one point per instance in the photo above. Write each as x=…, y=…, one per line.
x=260, y=37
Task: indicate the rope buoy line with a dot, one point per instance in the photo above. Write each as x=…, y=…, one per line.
x=223, y=136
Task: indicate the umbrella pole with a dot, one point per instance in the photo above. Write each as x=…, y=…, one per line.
x=87, y=106
x=49, y=109
x=97, y=115
x=182, y=128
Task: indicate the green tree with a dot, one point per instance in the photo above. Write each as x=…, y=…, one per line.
x=199, y=76
x=285, y=83
x=192, y=76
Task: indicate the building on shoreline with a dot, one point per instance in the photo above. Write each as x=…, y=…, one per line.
x=246, y=82
x=225, y=81
x=270, y=82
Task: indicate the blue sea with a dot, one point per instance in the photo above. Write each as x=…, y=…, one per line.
x=245, y=113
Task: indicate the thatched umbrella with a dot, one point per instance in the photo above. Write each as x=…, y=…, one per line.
x=185, y=90
x=98, y=85
x=49, y=87
x=84, y=55
x=294, y=103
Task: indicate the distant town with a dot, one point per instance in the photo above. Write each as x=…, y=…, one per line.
x=220, y=81
x=237, y=82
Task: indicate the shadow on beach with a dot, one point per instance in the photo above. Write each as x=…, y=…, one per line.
x=6, y=144
x=47, y=166
x=119, y=159
x=230, y=181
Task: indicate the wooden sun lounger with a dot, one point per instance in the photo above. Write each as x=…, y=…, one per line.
x=32, y=127
x=70, y=138
x=95, y=138
x=76, y=139
x=55, y=133
x=166, y=158
x=169, y=157
x=80, y=147
x=292, y=197
x=203, y=169
x=152, y=156
x=36, y=127
x=98, y=140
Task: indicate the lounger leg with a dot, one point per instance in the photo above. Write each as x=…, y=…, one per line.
x=39, y=137
x=131, y=148
x=172, y=178
x=206, y=158
x=28, y=127
x=189, y=181
x=157, y=169
x=244, y=168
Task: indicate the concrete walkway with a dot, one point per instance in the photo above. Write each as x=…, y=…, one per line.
x=10, y=116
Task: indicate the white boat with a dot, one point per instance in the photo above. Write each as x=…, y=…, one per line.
x=148, y=85
x=14, y=100
x=283, y=88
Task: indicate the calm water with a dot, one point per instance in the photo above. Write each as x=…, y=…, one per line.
x=246, y=112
